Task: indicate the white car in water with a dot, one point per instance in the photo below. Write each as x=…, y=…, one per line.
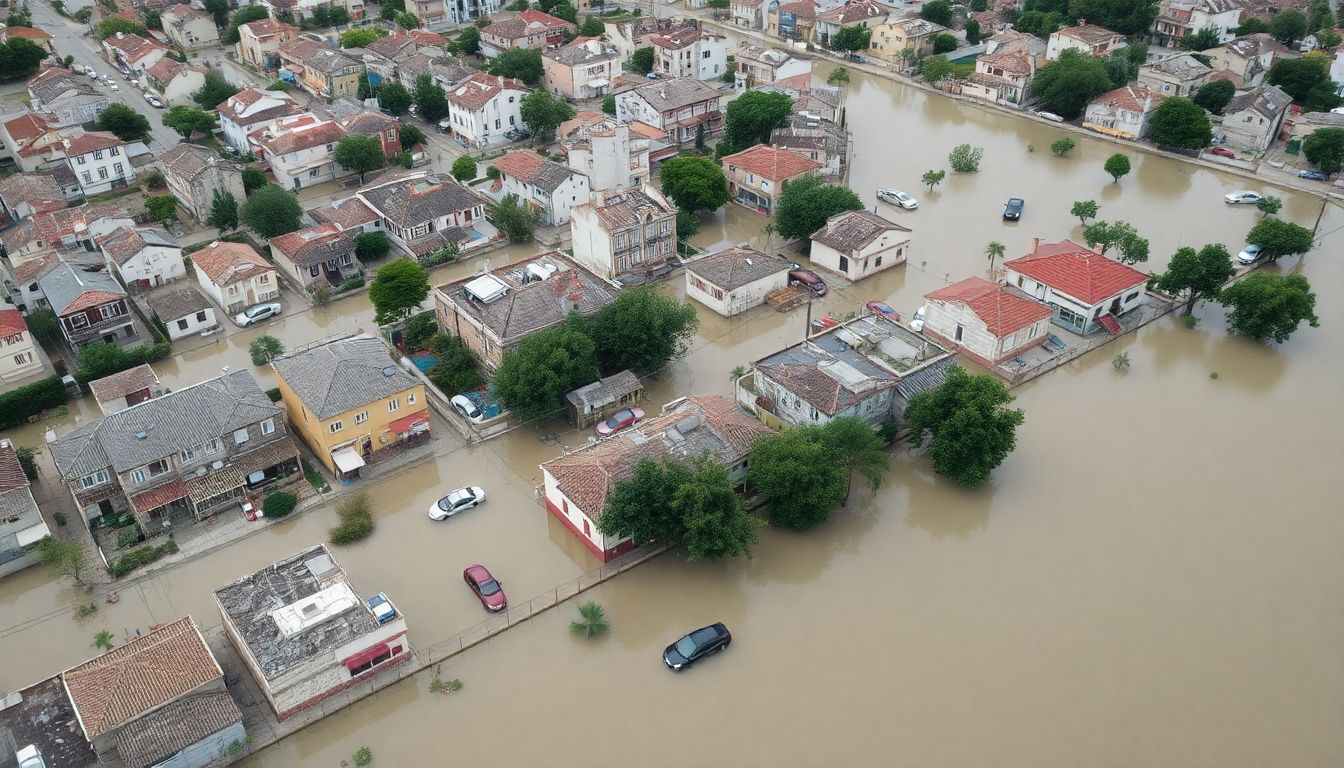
x=457, y=501
x=1250, y=254
x=1243, y=196
x=897, y=197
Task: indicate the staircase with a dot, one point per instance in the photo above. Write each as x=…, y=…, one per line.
x=1111, y=325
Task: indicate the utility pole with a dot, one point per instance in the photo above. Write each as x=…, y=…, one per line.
x=1324, y=202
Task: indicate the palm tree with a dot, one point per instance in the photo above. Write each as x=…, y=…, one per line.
x=592, y=621
x=103, y=641
x=738, y=372
x=993, y=251
x=856, y=447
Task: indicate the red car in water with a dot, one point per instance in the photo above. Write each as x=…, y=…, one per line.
x=1223, y=152
x=810, y=279
x=883, y=309
x=620, y=420
x=487, y=590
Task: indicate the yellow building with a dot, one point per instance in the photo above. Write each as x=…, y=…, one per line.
x=350, y=402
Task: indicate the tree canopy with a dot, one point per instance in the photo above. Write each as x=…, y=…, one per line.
x=1215, y=95
x=851, y=38
x=464, y=168
x=253, y=179
x=1202, y=40
x=430, y=100
x=187, y=121
x=1288, y=26
x=1270, y=306
x=694, y=183
x=360, y=154
x=1277, y=238
x=1084, y=210
x=521, y=63
x=120, y=119
x=398, y=290
x=642, y=330
x=215, y=91
x=517, y=221
x=808, y=202
x=749, y=119
x=1296, y=77
x=1121, y=236
x=543, y=113
x=244, y=15
x=1117, y=165
x=1128, y=17
x=1198, y=274
x=937, y=11
x=360, y=37
x=1070, y=83
x=1180, y=124
x=798, y=475
x=20, y=57
x=271, y=211
x=641, y=61
x=114, y=24
x=1324, y=148
x=394, y=98
x=857, y=448
x=223, y=211
x=944, y=42
x=968, y=425
x=532, y=378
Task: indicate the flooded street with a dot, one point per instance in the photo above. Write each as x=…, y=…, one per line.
x=1151, y=579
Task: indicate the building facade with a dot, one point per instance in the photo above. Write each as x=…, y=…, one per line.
x=143, y=257
x=235, y=276
x=554, y=190
x=317, y=257
x=196, y=175
x=21, y=523
x=985, y=321
x=98, y=160
x=757, y=175
x=857, y=244
x=735, y=280
x=1123, y=112
x=625, y=236
x=484, y=108
x=19, y=356
x=189, y=28
x=679, y=107
x=584, y=69
x=607, y=152
x=1085, y=290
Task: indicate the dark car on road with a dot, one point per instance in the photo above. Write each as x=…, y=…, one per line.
x=811, y=279
x=1311, y=175
x=696, y=646
x=1012, y=210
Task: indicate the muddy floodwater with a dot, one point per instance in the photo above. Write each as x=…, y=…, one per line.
x=1153, y=578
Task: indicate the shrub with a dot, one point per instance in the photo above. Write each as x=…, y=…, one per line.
x=419, y=330
x=264, y=349
x=17, y=405
x=371, y=246
x=364, y=755
x=278, y=504
x=103, y=359
x=129, y=536
x=356, y=520
x=274, y=394
x=322, y=297
x=27, y=460
x=141, y=557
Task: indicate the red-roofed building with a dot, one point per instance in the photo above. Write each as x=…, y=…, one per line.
x=1086, y=290
x=691, y=52
x=19, y=357
x=985, y=321
x=31, y=34
x=133, y=51
x=1123, y=112
x=756, y=175
x=484, y=108
x=259, y=42
x=99, y=161
x=529, y=29
x=550, y=187
x=32, y=140
x=301, y=151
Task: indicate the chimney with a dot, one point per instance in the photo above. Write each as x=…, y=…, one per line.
x=1035, y=244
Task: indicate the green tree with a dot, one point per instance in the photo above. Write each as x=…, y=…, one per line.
x=360, y=154
x=455, y=368
x=399, y=289
x=246, y=14
x=798, y=475
x=640, y=506
x=1198, y=274
x=641, y=61
x=688, y=224
x=1251, y=26
x=253, y=179
x=972, y=31
x=944, y=43
x=271, y=212
x=1117, y=165
x=1320, y=17
x=838, y=76
x=933, y=178
x=1063, y=146
x=371, y=246
x=564, y=10
x=1269, y=205
x=264, y=349
x=120, y=119
x=1296, y=77
x=111, y=26
x=1269, y=306
x=464, y=168
x=1118, y=235
x=965, y=159
x=749, y=119
x=1128, y=17
x=937, y=11
x=1039, y=23
x=102, y=641
x=188, y=121
x=408, y=20
x=1068, y=85
x=1278, y=238
x=1084, y=210
x=223, y=211
x=592, y=619
x=694, y=183
x=62, y=558
x=44, y=326
x=994, y=250
x=278, y=504
x=162, y=207
x=1202, y=40
x=520, y=63
x=1324, y=148
x=592, y=27
x=1323, y=97
x=1288, y=26
x=857, y=448
x=852, y=38
x=700, y=137
x=609, y=105
x=219, y=9
x=516, y=220
x=936, y=68
x=412, y=136
x=216, y=90
x=1180, y=124
x=360, y=37
x=430, y=100
x=1328, y=39
x=1215, y=95
x=1117, y=67
x=715, y=522
x=394, y=98
x=544, y=113
x=642, y=330
x=967, y=423
x=532, y=379
x=808, y=202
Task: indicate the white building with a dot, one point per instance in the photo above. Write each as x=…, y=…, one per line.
x=301, y=151
x=143, y=256
x=482, y=108
x=733, y=281
x=757, y=67
x=250, y=110
x=98, y=160
x=698, y=53
x=1123, y=112
x=584, y=69
x=183, y=311
x=21, y=526
x=189, y=28
x=551, y=188
x=19, y=355
x=985, y=321
x=422, y=212
x=625, y=235
x=605, y=151
x=679, y=107
x=235, y=276
x=1086, y=290
x=1088, y=39
x=857, y=244
x=1178, y=18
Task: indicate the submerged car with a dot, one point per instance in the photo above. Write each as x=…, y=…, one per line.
x=257, y=313
x=1012, y=210
x=487, y=590
x=457, y=501
x=1250, y=254
x=883, y=309
x=1243, y=196
x=468, y=409
x=620, y=420
x=897, y=197
x=696, y=646
x=1051, y=116
x=810, y=279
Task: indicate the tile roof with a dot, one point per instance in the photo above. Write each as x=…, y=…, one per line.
x=529, y=167
x=530, y=305
x=119, y=385
x=702, y=424
x=476, y=91
x=803, y=9
x=850, y=230
x=134, y=47
x=736, y=267
x=122, y=243
x=347, y=214
x=1077, y=271
x=187, y=161
x=418, y=198
x=853, y=11
x=605, y=391
x=38, y=190
x=165, y=69
x=1002, y=308
x=1090, y=34
x=526, y=23
x=631, y=207
x=1255, y=45
x=235, y=108
x=314, y=245
x=141, y=675
x=1182, y=66
x=268, y=27
x=667, y=95
x=29, y=32
x=181, y=13
x=29, y=271
x=51, y=84
x=26, y=127
x=12, y=322
x=55, y=225
x=1134, y=97
x=148, y=740
x=584, y=50
x=71, y=290
x=299, y=48
x=12, y=477
x=773, y=163
x=91, y=141
x=366, y=123
x=172, y=423
x=175, y=304
x=1014, y=61
x=1268, y=101
x=342, y=375
x=330, y=62
x=226, y=263
x=305, y=137
x=682, y=37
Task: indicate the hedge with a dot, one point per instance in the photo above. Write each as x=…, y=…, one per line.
x=274, y=394
x=140, y=557
x=128, y=358
x=17, y=405
x=279, y=504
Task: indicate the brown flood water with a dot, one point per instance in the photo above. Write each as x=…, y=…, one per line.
x=1151, y=579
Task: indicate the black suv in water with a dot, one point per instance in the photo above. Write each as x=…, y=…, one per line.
x=697, y=645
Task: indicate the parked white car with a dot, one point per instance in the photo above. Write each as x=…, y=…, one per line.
x=457, y=501
x=1243, y=196
x=468, y=409
x=257, y=313
x=1250, y=254
x=897, y=197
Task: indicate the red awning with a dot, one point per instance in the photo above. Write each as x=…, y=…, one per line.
x=158, y=497
x=367, y=655
x=411, y=423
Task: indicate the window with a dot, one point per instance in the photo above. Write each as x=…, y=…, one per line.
x=109, y=310
x=315, y=270
x=102, y=173
x=139, y=476
x=361, y=417
x=200, y=316
x=80, y=160
x=97, y=478
x=114, y=152
x=181, y=325
x=705, y=55
x=79, y=321
x=313, y=173
x=23, y=359
x=410, y=398
x=393, y=405
x=117, y=169
x=88, y=177
x=1131, y=297
x=188, y=454
x=97, y=154
x=268, y=426
x=240, y=437
x=335, y=427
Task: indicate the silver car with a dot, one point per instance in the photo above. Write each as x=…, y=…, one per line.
x=257, y=313
x=897, y=197
x=457, y=501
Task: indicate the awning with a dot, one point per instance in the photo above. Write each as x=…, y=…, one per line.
x=158, y=497
x=413, y=424
x=347, y=460
x=33, y=535
x=599, y=83
x=367, y=655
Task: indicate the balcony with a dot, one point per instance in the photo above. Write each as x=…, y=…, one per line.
x=105, y=327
